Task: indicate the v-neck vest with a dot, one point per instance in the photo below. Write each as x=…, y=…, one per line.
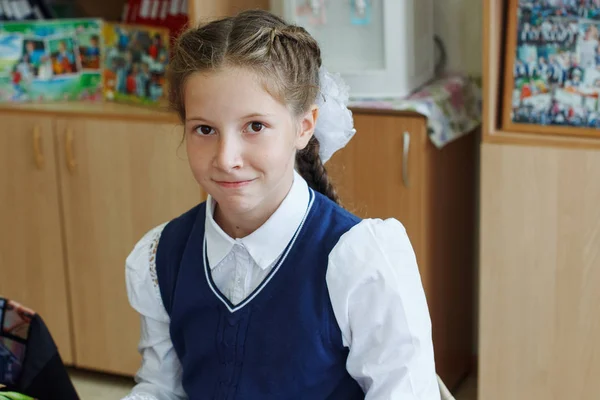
x=282, y=341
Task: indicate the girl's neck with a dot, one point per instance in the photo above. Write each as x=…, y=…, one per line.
x=238, y=226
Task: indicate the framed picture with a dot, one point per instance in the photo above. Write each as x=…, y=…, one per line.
x=552, y=67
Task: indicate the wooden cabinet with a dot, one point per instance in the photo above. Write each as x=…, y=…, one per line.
x=540, y=273
x=391, y=169
x=372, y=175
x=32, y=264
x=118, y=180
x=77, y=195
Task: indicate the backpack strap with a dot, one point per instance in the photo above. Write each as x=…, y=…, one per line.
x=171, y=246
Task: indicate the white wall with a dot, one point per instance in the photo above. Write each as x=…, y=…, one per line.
x=458, y=23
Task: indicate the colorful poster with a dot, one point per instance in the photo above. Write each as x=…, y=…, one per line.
x=50, y=60
x=135, y=63
x=557, y=66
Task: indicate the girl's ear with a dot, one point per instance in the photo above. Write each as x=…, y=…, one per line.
x=307, y=127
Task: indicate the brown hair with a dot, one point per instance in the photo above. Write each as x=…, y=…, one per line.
x=286, y=57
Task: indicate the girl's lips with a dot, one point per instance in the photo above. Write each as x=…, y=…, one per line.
x=234, y=184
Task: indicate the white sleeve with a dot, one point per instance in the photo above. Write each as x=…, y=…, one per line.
x=380, y=306
x=159, y=377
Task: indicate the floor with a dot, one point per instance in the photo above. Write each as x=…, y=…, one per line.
x=94, y=386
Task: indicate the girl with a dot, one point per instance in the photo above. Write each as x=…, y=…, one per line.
x=269, y=289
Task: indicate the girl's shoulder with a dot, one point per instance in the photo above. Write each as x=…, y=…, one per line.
x=140, y=275
x=374, y=233
x=148, y=243
x=373, y=266
x=373, y=247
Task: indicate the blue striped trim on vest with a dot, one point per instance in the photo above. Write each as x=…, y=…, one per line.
x=233, y=308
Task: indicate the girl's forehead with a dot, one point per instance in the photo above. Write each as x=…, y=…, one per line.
x=225, y=78
x=230, y=92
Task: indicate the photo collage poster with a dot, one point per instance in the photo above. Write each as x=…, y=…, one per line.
x=557, y=65
x=51, y=60
x=135, y=61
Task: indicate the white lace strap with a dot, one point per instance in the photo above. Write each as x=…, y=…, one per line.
x=152, y=262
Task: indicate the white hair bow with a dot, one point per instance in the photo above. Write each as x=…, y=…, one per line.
x=335, y=126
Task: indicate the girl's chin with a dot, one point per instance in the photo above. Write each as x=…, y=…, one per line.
x=235, y=204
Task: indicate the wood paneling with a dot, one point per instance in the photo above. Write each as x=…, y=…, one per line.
x=124, y=179
x=540, y=259
x=32, y=264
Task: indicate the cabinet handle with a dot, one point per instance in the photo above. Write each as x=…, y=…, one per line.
x=71, y=163
x=405, y=151
x=38, y=154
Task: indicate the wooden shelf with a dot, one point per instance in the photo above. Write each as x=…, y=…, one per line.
x=115, y=111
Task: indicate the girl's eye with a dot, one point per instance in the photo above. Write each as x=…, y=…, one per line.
x=255, y=127
x=204, y=130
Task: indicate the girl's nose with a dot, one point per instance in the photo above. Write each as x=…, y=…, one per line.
x=229, y=153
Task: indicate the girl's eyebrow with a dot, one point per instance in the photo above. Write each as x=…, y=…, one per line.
x=251, y=115
x=197, y=118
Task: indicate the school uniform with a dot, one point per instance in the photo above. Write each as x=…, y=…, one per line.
x=315, y=304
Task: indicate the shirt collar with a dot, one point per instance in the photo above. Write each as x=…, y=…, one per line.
x=267, y=242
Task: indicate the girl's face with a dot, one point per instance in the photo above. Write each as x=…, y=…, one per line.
x=241, y=142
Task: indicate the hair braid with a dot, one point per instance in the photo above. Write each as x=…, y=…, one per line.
x=310, y=166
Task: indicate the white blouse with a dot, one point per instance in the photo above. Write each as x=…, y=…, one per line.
x=374, y=285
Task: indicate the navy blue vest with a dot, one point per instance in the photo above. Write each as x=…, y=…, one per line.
x=283, y=341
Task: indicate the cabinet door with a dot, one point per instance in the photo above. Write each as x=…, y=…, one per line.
x=32, y=267
x=391, y=169
x=119, y=179
x=540, y=273
x=377, y=174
